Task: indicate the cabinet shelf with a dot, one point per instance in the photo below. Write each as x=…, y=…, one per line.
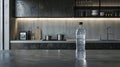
x=91, y=7
x=97, y=8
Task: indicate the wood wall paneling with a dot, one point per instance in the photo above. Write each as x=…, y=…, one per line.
x=96, y=29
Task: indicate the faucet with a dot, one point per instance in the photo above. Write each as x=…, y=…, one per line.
x=107, y=31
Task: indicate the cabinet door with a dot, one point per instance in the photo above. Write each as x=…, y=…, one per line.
x=27, y=8
x=63, y=8
x=56, y=8
x=44, y=8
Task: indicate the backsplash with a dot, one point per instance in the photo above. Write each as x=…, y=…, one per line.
x=96, y=28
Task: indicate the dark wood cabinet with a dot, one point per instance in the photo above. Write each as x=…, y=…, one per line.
x=44, y=8
x=67, y=8
x=26, y=8
x=62, y=8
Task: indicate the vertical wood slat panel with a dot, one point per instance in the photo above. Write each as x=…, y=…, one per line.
x=102, y=32
x=116, y=30
x=13, y=28
x=69, y=29
x=110, y=32
x=87, y=27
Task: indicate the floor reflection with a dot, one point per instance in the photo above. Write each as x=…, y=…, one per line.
x=81, y=63
x=4, y=55
x=5, y=59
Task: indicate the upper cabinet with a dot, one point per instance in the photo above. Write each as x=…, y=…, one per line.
x=67, y=8
x=44, y=8
x=27, y=8
x=97, y=8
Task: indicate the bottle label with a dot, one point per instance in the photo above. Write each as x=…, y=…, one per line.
x=80, y=36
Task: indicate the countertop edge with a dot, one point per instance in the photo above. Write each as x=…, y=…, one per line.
x=67, y=41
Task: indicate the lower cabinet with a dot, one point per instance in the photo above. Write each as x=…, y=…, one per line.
x=65, y=46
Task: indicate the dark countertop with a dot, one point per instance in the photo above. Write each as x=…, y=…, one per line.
x=58, y=58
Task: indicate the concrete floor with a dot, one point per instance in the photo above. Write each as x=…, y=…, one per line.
x=58, y=58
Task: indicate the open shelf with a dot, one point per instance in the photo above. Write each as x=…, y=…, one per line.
x=91, y=7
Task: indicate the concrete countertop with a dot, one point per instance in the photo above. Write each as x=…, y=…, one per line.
x=66, y=41
x=58, y=58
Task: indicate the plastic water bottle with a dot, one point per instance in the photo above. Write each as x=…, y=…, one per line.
x=80, y=42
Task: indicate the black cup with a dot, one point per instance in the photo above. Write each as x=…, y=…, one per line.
x=60, y=37
x=48, y=37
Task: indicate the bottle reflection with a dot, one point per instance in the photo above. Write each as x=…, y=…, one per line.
x=81, y=63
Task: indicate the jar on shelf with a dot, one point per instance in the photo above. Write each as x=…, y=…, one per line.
x=38, y=33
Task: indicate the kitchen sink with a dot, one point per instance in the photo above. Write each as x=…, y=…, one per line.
x=109, y=40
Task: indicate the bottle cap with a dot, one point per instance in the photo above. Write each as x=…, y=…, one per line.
x=80, y=23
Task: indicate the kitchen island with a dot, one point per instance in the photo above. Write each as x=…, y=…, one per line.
x=58, y=58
